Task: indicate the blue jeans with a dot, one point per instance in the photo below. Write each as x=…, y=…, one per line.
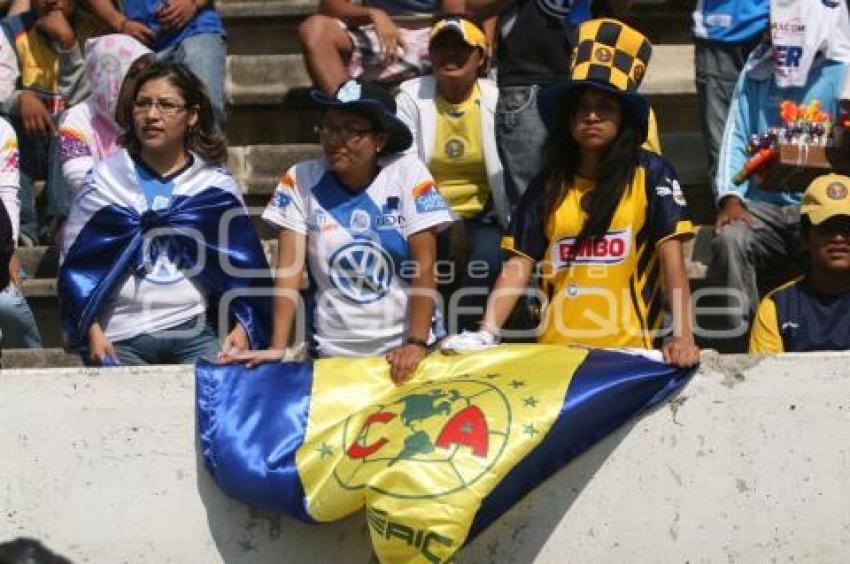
x=520, y=134
x=40, y=160
x=16, y=321
x=743, y=257
x=717, y=67
x=205, y=55
x=474, y=247
x=164, y=347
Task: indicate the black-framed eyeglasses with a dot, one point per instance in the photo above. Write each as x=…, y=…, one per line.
x=168, y=108
x=344, y=133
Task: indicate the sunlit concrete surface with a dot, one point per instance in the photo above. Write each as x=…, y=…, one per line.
x=748, y=464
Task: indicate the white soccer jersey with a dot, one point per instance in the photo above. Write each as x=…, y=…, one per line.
x=357, y=251
x=9, y=175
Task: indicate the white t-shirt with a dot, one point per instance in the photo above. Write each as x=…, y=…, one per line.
x=357, y=251
x=10, y=175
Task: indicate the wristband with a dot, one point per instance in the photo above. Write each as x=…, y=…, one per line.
x=417, y=342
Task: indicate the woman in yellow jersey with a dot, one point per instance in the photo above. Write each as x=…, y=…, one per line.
x=451, y=117
x=605, y=220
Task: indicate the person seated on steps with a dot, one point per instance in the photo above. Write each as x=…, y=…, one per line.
x=180, y=31
x=451, y=117
x=41, y=74
x=17, y=323
x=382, y=41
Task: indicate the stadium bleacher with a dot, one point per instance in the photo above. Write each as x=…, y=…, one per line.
x=270, y=127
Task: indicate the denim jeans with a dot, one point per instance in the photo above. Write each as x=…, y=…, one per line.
x=199, y=341
x=17, y=321
x=739, y=253
x=205, y=55
x=717, y=67
x=39, y=159
x=520, y=134
x=476, y=252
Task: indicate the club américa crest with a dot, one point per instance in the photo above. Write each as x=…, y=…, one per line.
x=447, y=434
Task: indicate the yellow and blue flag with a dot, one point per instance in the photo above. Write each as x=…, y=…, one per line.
x=433, y=461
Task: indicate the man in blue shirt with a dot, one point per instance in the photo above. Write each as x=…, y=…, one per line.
x=725, y=32
x=181, y=31
x=759, y=229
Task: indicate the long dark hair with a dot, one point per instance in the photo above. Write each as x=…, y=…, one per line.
x=202, y=138
x=615, y=169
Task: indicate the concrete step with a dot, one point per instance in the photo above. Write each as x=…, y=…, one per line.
x=670, y=71
x=263, y=79
x=266, y=79
x=688, y=154
x=38, y=262
x=39, y=287
x=663, y=22
x=234, y=10
x=258, y=27
x=260, y=166
x=39, y=358
x=268, y=96
x=269, y=26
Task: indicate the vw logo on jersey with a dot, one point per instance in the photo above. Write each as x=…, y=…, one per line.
x=159, y=269
x=362, y=271
x=556, y=8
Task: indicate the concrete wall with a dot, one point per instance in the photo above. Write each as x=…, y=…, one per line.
x=749, y=464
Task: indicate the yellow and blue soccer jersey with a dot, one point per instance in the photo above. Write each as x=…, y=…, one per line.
x=797, y=318
x=610, y=294
x=357, y=252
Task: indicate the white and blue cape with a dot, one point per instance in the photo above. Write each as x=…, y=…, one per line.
x=202, y=225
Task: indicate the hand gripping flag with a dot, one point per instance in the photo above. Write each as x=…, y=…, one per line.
x=433, y=461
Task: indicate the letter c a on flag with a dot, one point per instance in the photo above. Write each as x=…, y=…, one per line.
x=358, y=451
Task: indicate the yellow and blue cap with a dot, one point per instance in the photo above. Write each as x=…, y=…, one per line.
x=468, y=31
x=826, y=197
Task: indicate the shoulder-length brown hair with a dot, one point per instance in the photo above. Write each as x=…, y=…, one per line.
x=202, y=138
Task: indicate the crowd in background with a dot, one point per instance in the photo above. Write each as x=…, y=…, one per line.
x=506, y=139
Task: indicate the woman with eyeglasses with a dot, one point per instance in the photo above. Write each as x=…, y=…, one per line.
x=158, y=242
x=363, y=220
